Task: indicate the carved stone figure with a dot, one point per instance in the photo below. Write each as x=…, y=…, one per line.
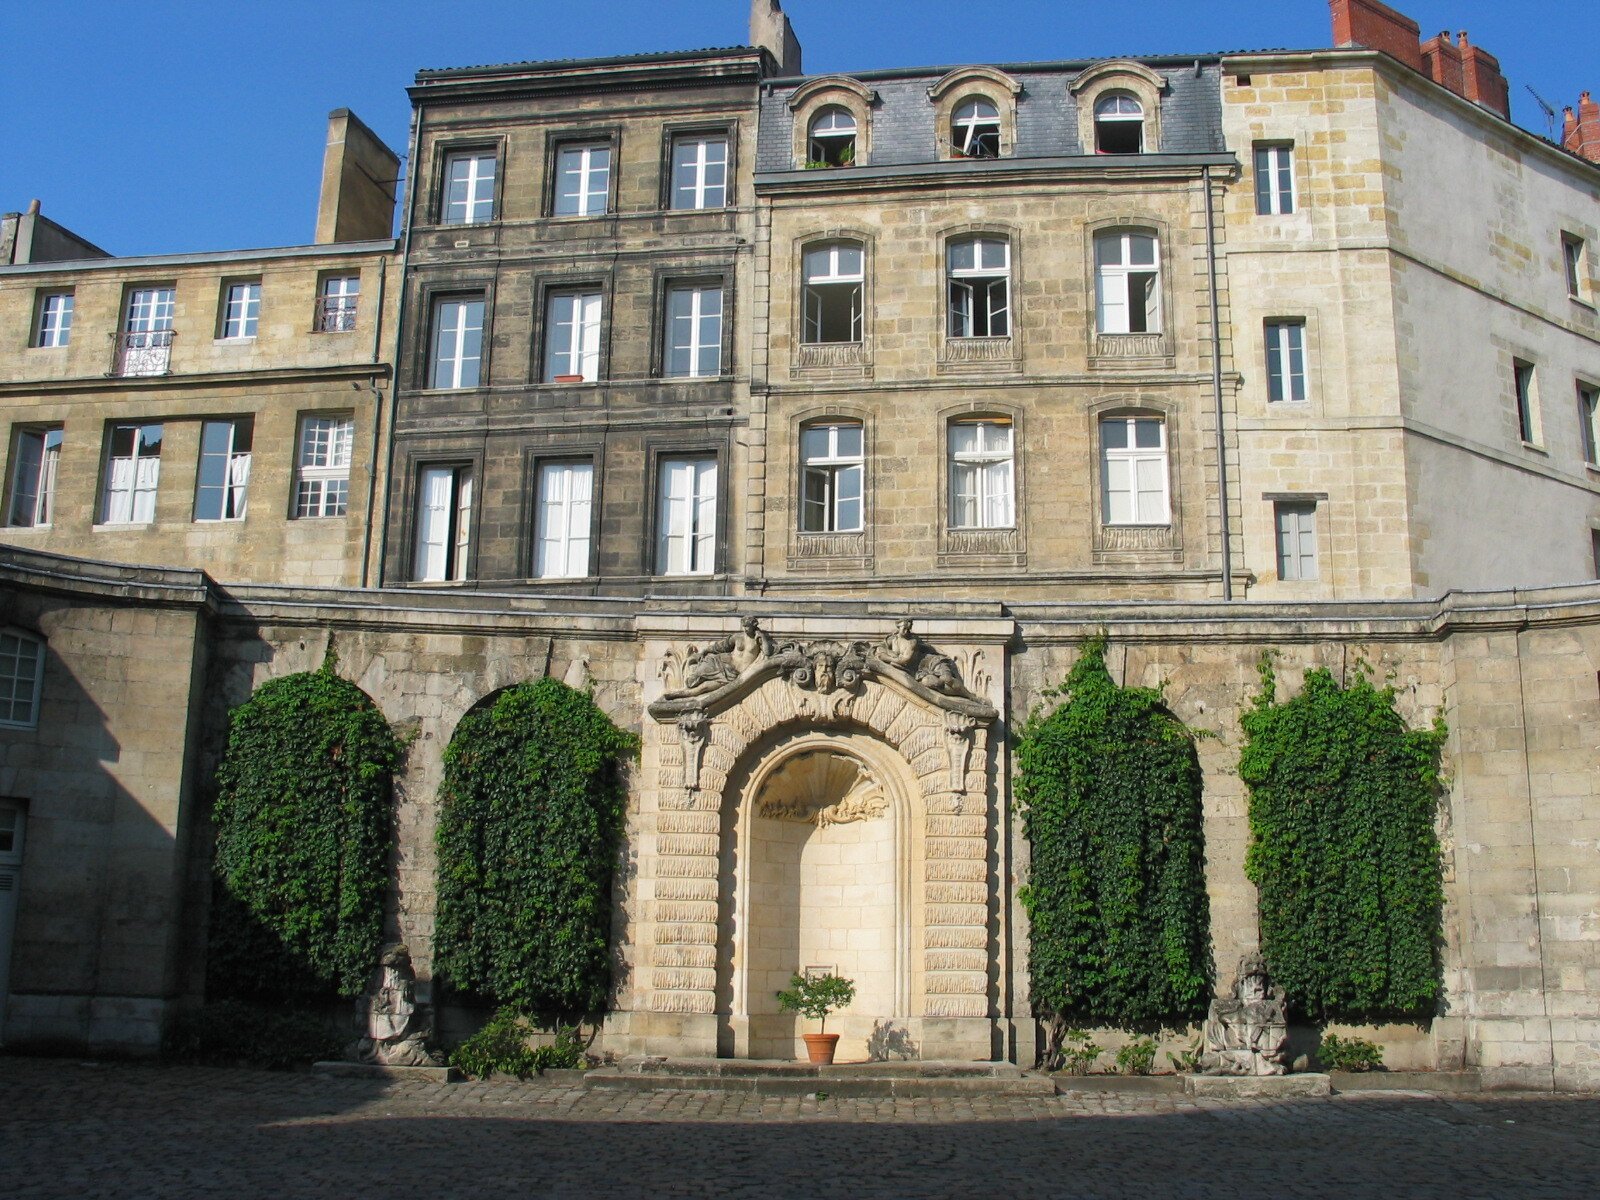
x=394, y=1027
x=725, y=660
x=906, y=651
x=1248, y=1033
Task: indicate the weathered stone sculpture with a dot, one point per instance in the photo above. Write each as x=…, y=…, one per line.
x=1247, y=1033
x=394, y=1028
x=908, y=652
x=724, y=661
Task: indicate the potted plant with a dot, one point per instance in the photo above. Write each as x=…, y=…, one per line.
x=817, y=997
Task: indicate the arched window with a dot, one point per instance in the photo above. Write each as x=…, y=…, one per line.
x=982, y=479
x=832, y=480
x=1127, y=282
x=1118, y=124
x=831, y=299
x=21, y=675
x=1133, y=471
x=975, y=129
x=980, y=287
x=832, y=141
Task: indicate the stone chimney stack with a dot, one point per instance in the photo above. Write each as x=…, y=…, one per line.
x=770, y=29
x=359, y=177
x=1582, y=132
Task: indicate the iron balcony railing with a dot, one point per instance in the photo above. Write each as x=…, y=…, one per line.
x=148, y=352
x=336, y=314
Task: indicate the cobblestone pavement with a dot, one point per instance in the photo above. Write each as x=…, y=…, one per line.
x=87, y=1130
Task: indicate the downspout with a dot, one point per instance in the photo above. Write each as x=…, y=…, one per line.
x=377, y=426
x=1216, y=388
x=399, y=341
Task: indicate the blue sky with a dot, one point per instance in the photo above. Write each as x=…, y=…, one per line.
x=186, y=125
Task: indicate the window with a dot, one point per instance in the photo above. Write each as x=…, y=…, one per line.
x=583, y=180
x=1594, y=550
x=1527, y=401
x=566, y=492
x=572, y=337
x=457, y=342
x=21, y=673
x=981, y=475
x=1127, y=283
x=975, y=129
x=700, y=171
x=241, y=309
x=832, y=474
x=336, y=305
x=33, y=475
x=1275, y=178
x=980, y=287
x=831, y=302
x=1286, y=360
x=222, y=488
x=686, y=516
x=1572, y=257
x=145, y=347
x=468, y=188
x=1589, y=422
x=1118, y=125
x=54, y=327
x=832, y=141
x=1297, y=540
x=133, y=469
x=694, y=330
x=322, y=488
x=1133, y=471
x=444, y=523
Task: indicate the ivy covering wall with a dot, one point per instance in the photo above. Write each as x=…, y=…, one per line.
x=303, y=836
x=530, y=810
x=1343, y=852
x=1111, y=788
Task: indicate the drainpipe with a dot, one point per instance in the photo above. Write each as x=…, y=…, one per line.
x=377, y=427
x=1216, y=388
x=399, y=343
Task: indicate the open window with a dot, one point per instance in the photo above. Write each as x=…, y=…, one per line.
x=1118, y=124
x=831, y=140
x=832, y=476
x=831, y=303
x=444, y=523
x=1127, y=282
x=975, y=129
x=980, y=287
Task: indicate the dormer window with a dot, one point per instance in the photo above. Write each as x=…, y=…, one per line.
x=975, y=129
x=832, y=141
x=1118, y=124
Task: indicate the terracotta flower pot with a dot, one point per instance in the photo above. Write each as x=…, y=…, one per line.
x=568, y=379
x=820, y=1048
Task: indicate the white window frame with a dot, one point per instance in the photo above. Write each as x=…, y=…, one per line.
x=1274, y=178
x=1114, y=283
x=444, y=523
x=54, y=327
x=35, y=454
x=233, y=493
x=572, y=335
x=468, y=192
x=20, y=694
x=131, y=499
x=1294, y=524
x=337, y=303
x=1125, y=465
x=450, y=366
x=564, y=519
x=694, y=314
x=974, y=132
x=983, y=477
x=241, y=310
x=149, y=312
x=833, y=480
x=322, y=483
x=588, y=165
x=700, y=177
x=686, y=515
x=1287, y=370
x=1589, y=421
x=988, y=282
x=1115, y=109
x=832, y=131
x=812, y=301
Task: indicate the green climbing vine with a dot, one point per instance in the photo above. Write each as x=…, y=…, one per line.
x=1343, y=849
x=303, y=836
x=529, y=816
x=1110, y=785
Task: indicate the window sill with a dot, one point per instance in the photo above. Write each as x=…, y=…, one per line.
x=121, y=526
x=64, y=346
x=219, y=520
x=318, y=516
x=1538, y=449
x=1586, y=305
x=234, y=341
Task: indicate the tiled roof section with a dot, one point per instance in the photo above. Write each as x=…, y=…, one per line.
x=616, y=60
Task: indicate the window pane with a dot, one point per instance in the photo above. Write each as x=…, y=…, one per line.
x=1147, y=434
x=1141, y=250
x=849, y=441
x=963, y=255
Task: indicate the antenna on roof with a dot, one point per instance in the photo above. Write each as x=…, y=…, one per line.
x=1549, y=111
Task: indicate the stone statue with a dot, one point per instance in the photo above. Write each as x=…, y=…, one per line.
x=725, y=661
x=394, y=1028
x=906, y=651
x=1247, y=1033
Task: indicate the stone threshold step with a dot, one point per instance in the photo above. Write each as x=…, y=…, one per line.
x=734, y=1068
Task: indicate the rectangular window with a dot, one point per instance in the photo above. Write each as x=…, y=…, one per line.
x=982, y=478
x=54, y=326
x=572, y=337
x=33, y=475
x=980, y=287
x=457, y=342
x=468, y=188
x=241, y=309
x=336, y=303
x=133, y=470
x=686, y=516
x=694, y=330
x=322, y=487
x=1133, y=471
x=700, y=171
x=223, y=485
x=583, y=180
x=145, y=345
x=1127, y=283
x=566, y=493
x=1589, y=422
x=831, y=308
x=1573, y=259
x=21, y=674
x=1274, y=178
x=1286, y=360
x=832, y=470
x=1527, y=402
x=1297, y=539
x=444, y=523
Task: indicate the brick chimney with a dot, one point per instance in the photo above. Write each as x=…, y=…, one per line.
x=1481, y=79
x=1441, y=62
x=1377, y=27
x=1457, y=65
x=1581, y=133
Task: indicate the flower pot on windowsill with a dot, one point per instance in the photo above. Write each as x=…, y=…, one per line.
x=568, y=379
x=820, y=1048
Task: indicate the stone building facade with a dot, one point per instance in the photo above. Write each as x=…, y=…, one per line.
x=814, y=422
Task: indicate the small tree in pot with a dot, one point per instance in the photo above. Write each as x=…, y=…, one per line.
x=817, y=997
